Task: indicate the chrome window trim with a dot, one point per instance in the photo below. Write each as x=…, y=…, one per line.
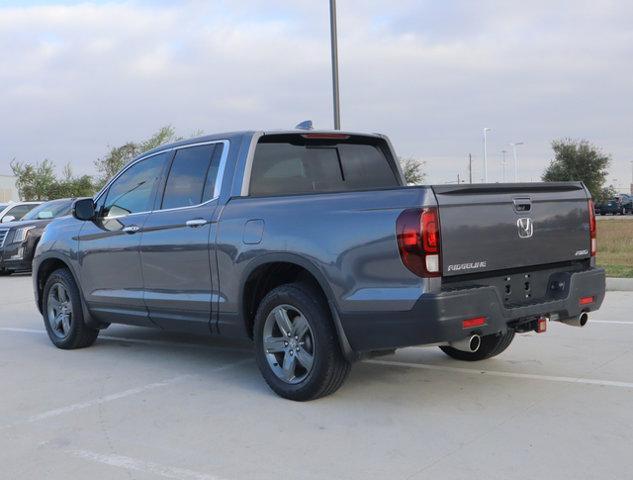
x=248, y=168
x=216, y=189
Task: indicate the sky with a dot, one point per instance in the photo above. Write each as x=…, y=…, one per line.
x=79, y=77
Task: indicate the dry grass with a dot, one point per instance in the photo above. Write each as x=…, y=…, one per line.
x=615, y=247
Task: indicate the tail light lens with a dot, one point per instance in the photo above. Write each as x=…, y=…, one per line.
x=592, y=228
x=419, y=241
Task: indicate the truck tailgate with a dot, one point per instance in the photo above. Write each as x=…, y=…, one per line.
x=503, y=226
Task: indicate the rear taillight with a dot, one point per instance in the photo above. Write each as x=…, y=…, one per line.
x=592, y=228
x=418, y=232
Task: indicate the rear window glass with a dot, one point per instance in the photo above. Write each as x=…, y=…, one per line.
x=284, y=168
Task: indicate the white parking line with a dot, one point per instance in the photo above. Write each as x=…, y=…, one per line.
x=493, y=373
x=614, y=322
x=142, y=466
x=108, y=398
x=140, y=341
x=117, y=396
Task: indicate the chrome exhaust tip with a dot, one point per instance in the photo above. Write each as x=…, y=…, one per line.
x=469, y=344
x=578, y=321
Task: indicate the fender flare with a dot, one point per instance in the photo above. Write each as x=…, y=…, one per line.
x=88, y=318
x=321, y=280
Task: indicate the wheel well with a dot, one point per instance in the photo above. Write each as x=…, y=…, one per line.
x=267, y=277
x=47, y=267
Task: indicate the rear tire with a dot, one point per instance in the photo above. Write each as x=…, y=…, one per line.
x=63, y=313
x=491, y=346
x=296, y=345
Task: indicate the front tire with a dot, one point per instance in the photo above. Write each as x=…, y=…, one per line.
x=491, y=346
x=296, y=345
x=5, y=273
x=63, y=313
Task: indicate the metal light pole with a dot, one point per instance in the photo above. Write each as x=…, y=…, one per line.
x=486, y=130
x=470, y=168
x=516, y=162
x=503, y=164
x=335, y=89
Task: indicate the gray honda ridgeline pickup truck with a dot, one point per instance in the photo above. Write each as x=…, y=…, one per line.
x=311, y=244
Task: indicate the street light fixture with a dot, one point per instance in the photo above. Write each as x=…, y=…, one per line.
x=516, y=162
x=486, y=130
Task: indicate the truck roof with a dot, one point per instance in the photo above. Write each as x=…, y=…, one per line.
x=233, y=136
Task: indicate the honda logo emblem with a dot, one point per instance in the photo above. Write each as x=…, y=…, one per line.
x=526, y=227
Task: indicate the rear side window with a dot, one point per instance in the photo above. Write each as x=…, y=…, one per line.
x=192, y=176
x=283, y=168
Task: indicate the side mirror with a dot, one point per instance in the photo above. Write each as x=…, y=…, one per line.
x=8, y=218
x=84, y=209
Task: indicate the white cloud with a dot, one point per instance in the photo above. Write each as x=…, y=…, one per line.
x=76, y=78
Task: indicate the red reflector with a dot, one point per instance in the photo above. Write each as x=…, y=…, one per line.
x=326, y=136
x=474, y=322
x=541, y=326
x=586, y=300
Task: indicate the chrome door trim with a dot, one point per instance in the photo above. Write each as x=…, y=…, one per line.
x=218, y=178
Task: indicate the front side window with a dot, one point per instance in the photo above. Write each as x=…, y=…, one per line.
x=133, y=191
x=191, y=179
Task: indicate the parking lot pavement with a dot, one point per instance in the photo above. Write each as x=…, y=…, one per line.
x=143, y=404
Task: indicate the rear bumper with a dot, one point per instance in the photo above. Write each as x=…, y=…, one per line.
x=437, y=318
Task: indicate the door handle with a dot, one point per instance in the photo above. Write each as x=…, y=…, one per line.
x=131, y=229
x=197, y=222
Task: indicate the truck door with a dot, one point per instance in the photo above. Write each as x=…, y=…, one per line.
x=111, y=274
x=175, y=253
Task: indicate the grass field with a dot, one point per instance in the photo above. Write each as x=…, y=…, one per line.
x=615, y=247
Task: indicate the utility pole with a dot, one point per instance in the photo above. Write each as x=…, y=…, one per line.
x=503, y=164
x=486, y=130
x=470, y=167
x=335, y=85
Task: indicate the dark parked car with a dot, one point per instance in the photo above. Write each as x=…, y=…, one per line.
x=18, y=239
x=311, y=244
x=619, y=205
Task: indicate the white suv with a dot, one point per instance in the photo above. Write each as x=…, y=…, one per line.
x=13, y=211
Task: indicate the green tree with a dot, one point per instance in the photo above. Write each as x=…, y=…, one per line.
x=70, y=186
x=578, y=160
x=605, y=193
x=39, y=182
x=412, y=170
x=120, y=156
x=34, y=181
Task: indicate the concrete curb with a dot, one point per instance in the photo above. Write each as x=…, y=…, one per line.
x=619, y=284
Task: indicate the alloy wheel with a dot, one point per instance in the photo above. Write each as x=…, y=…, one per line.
x=60, y=310
x=288, y=344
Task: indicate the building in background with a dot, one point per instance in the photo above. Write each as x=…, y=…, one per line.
x=8, y=190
